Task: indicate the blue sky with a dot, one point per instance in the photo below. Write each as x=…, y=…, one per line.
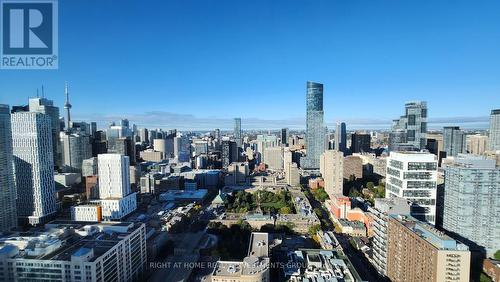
x=197, y=64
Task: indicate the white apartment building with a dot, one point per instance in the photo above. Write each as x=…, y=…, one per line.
x=86, y=213
x=413, y=176
x=76, y=251
x=116, y=198
x=116, y=209
x=114, y=175
x=34, y=166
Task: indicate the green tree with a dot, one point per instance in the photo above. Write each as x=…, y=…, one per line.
x=285, y=210
x=484, y=278
x=353, y=192
x=312, y=230
x=370, y=185
x=337, y=228
x=320, y=195
x=497, y=255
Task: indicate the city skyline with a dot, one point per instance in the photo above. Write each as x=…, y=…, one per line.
x=368, y=66
x=190, y=122
x=249, y=141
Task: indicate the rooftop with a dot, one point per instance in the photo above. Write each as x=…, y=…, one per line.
x=259, y=244
x=430, y=234
x=473, y=161
x=319, y=265
x=63, y=240
x=255, y=263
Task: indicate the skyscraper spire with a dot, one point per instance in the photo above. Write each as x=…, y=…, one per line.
x=67, y=106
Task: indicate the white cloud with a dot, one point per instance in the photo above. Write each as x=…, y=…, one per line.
x=168, y=120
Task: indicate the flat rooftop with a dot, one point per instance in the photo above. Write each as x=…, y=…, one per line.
x=64, y=239
x=259, y=245
x=430, y=234
x=256, y=262
x=228, y=268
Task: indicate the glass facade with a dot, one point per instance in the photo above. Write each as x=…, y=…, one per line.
x=494, y=139
x=409, y=131
x=453, y=141
x=472, y=203
x=341, y=137
x=315, y=129
x=237, y=132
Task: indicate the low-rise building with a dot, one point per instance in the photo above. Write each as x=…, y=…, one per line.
x=307, y=265
x=338, y=207
x=315, y=183
x=151, y=155
x=353, y=228
x=188, y=196
x=117, y=209
x=254, y=267
x=92, y=213
x=67, y=179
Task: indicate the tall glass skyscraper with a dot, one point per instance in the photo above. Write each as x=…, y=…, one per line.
x=237, y=132
x=315, y=129
x=409, y=131
x=284, y=136
x=341, y=137
x=8, y=217
x=494, y=138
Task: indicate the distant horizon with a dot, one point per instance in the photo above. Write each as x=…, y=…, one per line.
x=189, y=122
x=183, y=122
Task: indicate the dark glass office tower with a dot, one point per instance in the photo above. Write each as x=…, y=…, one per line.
x=454, y=141
x=229, y=153
x=360, y=142
x=341, y=137
x=237, y=132
x=284, y=136
x=315, y=130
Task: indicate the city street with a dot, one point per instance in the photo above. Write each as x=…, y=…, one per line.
x=360, y=263
x=177, y=267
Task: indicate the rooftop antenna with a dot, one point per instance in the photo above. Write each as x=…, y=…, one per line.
x=43, y=93
x=37, y=92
